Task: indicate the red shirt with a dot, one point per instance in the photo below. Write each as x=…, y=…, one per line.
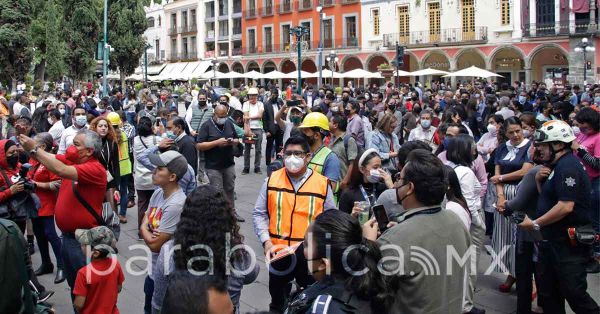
x=47, y=197
x=99, y=283
x=70, y=213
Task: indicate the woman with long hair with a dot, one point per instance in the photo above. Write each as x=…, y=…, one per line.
x=455, y=201
x=385, y=142
x=109, y=158
x=368, y=179
x=207, y=222
x=511, y=164
x=489, y=140
x=46, y=188
x=344, y=264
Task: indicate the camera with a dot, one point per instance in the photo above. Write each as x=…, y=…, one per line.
x=28, y=185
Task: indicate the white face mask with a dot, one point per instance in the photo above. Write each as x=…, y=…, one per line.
x=491, y=128
x=62, y=111
x=50, y=121
x=221, y=121
x=293, y=164
x=374, y=176
x=81, y=121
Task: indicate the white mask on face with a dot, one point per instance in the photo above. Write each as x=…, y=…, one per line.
x=491, y=128
x=293, y=164
x=62, y=111
x=50, y=121
x=374, y=176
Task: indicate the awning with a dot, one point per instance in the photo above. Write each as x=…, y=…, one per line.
x=172, y=71
x=188, y=71
x=200, y=69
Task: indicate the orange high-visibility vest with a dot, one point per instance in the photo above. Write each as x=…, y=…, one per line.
x=290, y=212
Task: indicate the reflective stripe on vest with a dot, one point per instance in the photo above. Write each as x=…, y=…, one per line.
x=124, y=161
x=290, y=212
x=317, y=162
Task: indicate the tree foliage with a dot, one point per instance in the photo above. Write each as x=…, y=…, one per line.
x=15, y=56
x=56, y=51
x=126, y=25
x=82, y=21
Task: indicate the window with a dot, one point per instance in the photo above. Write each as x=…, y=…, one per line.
x=184, y=47
x=468, y=20
x=237, y=26
x=223, y=28
x=210, y=9
x=434, y=21
x=252, y=40
x=184, y=19
x=237, y=6
x=173, y=21
x=403, y=25
x=222, y=8
x=351, y=39
x=193, y=17
x=505, y=12
x=157, y=48
x=375, y=15
x=159, y=21
x=174, y=49
x=268, y=39
x=150, y=22
x=193, y=47
x=306, y=37
x=285, y=36
x=328, y=33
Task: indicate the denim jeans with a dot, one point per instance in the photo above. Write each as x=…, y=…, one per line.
x=257, y=150
x=73, y=257
x=123, y=190
x=44, y=230
x=148, y=292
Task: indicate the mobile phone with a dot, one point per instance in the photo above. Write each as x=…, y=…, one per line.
x=292, y=103
x=381, y=217
x=230, y=140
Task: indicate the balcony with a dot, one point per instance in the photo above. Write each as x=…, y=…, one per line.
x=185, y=29
x=250, y=13
x=237, y=34
x=188, y=56
x=247, y=50
x=560, y=28
x=209, y=54
x=446, y=37
x=350, y=42
x=327, y=3
x=173, y=31
x=285, y=7
x=236, y=51
x=267, y=10
x=304, y=5
x=210, y=35
x=223, y=36
x=173, y=57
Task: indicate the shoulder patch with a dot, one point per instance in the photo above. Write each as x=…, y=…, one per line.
x=321, y=304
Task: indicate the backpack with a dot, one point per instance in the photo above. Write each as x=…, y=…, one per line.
x=14, y=278
x=360, y=149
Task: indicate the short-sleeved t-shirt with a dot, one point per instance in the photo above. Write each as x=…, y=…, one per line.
x=70, y=214
x=253, y=110
x=47, y=197
x=217, y=157
x=567, y=182
x=100, y=286
x=508, y=165
x=164, y=214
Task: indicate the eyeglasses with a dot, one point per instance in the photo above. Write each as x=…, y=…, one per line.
x=296, y=153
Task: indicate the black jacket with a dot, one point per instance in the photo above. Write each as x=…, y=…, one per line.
x=328, y=297
x=187, y=147
x=269, y=123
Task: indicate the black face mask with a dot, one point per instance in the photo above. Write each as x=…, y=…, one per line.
x=12, y=161
x=464, y=101
x=392, y=107
x=398, y=199
x=310, y=139
x=202, y=103
x=416, y=110
x=224, y=103
x=346, y=112
x=346, y=99
x=415, y=98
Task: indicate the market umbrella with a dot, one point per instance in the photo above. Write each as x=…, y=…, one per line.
x=253, y=75
x=274, y=75
x=232, y=75
x=360, y=73
x=474, y=72
x=428, y=71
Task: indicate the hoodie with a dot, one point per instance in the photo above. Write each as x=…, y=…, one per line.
x=11, y=174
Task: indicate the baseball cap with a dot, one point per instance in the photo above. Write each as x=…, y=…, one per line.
x=174, y=161
x=99, y=238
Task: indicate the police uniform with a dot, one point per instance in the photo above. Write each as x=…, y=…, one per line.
x=561, y=263
x=328, y=297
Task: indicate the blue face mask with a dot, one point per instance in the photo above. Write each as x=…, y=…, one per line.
x=522, y=100
x=446, y=142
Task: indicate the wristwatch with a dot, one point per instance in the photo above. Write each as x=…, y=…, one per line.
x=34, y=150
x=536, y=227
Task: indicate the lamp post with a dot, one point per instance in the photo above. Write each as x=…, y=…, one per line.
x=104, y=52
x=299, y=31
x=320, y=55
x=215, y=63
x=146, y=47
x=585, y=47
x=332, y=59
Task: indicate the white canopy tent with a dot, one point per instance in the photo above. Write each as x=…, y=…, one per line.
x=187, y=72
x=253, y=75
x=232, y=75
x=360, y=73
x=212, y=74
x=428, y=71
x=327, y=74
x=274, y=75
x=200, y=69
x=401, y=73
x=303, y=74
x=473, y=71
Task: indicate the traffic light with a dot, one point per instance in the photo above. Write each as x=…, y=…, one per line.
x=399, y=55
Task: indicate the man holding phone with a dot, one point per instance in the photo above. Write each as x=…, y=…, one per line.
x=217, y=138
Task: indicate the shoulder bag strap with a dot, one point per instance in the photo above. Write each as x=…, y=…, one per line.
x=141, y=140
x=6, y=180
x=87, y=205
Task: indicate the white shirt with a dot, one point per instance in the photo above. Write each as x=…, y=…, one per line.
x=471, y=189
x=254, y=110
x=17, y=108
x=424, y=135
x=235, y=103
x=57, y=130
x=460, y=212
x=66, y=139
x=506, y=113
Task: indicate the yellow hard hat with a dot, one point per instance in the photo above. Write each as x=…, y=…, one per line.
x=114, y=118
x=315, y=119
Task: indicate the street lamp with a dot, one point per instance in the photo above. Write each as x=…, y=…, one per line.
x=146, y=47
x=332, y=59
x=320, y=61
x=104, y=52
x=584, y=47
x=215, y=64
x=299, y=31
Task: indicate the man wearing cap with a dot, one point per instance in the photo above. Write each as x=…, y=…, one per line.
x=164, y=209
x=83, y=177
x=98, y=283
x=253, y=114
x=274, y=134
x=323, y=161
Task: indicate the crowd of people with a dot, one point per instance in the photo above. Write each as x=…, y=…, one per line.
x=356, y=185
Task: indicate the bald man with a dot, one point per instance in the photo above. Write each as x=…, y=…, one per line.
x=217, y=138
